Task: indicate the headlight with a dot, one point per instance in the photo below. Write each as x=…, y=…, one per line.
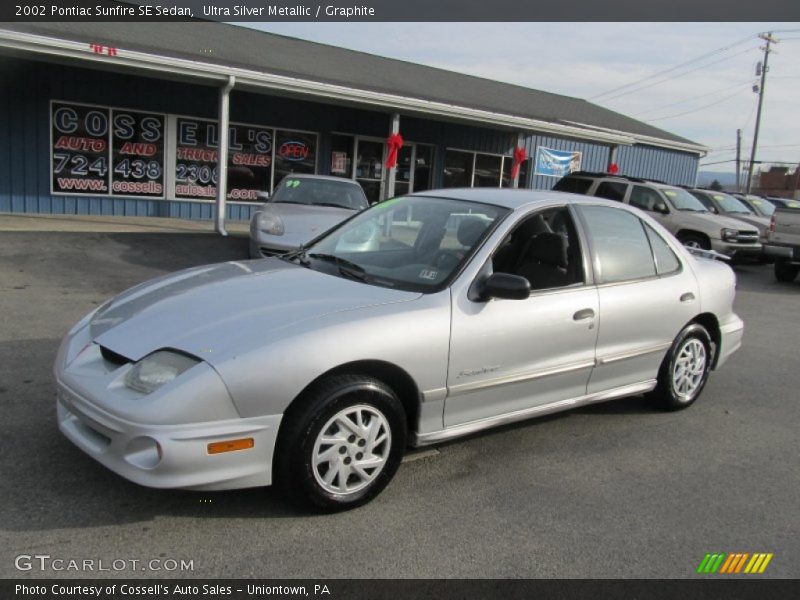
x=157, y=369
x=270, y=223
x=729, y=235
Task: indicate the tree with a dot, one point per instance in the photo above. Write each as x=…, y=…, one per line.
x=716, y=186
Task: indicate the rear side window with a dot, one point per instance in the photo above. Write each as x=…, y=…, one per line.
x=611, y=190
x=574, y=185
x=622, y=251
x=644, y=198
x=666, y=261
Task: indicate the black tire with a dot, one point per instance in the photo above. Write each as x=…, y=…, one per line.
x=695, y=240
x=666, y=395
x=785, y=271
x=294, y=471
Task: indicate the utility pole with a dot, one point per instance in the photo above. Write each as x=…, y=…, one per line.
x=738, y=160
x=767, y=37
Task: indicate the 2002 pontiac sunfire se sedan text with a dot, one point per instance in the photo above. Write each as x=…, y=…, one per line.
x=423, y=318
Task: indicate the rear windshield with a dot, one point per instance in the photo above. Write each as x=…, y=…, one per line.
x=574, y=185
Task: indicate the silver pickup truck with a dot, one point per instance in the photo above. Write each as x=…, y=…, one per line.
x=783, y=243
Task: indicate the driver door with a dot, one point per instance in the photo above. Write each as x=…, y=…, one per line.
x=514, y=355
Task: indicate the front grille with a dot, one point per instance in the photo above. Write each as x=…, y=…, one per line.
x=113, y=357
x=747, y=237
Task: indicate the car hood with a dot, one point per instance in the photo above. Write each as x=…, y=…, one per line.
x=307, y=218
x=206, y=311
x=760, y=223
x=710, y=223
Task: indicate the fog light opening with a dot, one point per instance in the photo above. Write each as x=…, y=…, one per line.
x=231, y=445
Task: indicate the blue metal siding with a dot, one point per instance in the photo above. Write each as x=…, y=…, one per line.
x=670, y=166
x=26, y=88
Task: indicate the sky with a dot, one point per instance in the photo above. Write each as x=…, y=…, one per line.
x=704, y=101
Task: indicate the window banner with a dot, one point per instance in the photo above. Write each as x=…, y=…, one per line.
x=137, y=153
x=557, y=163
x=249, y=160
x=79, y=150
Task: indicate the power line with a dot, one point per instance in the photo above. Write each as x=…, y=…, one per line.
x=725, y=89
x=676, y=67
x=660, y=81
x=699, y=108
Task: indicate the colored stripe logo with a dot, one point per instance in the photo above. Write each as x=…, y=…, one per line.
x=734, y=563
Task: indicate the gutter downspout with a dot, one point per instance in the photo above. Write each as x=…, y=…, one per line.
x=222, y=154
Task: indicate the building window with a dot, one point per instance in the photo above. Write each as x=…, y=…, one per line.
x=342, y=155
x=476, y=169
x=295, y=152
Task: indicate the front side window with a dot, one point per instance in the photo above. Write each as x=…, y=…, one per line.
x=620, y=245
x=544, y=249
x=412, y=243
x=611, y=190
x=644, y=198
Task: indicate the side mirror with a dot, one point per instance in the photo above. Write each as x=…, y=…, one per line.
x=506, y=287
x=263, y=196
x=661, y=207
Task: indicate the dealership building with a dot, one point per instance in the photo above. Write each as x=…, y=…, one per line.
x=124, y=119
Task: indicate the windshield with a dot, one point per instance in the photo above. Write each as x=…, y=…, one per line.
x=413, y=243
x=730, y=204
x=683, y=200
x=320, y=192
x=761, y=206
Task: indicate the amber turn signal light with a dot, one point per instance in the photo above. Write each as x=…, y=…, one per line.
x=230, y=445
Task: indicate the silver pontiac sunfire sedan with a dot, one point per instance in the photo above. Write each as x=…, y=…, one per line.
x=423, y=318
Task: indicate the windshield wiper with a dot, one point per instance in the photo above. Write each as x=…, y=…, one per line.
x=330, y=204
x=346, y=267
x=299, y=254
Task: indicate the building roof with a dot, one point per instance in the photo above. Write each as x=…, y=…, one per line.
x=239, y=47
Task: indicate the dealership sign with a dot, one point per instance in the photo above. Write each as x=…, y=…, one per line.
x=557, y=163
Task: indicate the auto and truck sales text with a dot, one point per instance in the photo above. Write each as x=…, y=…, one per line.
x=209, y=10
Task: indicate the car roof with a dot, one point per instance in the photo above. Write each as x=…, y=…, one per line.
x=513, y=198
x=620, y=178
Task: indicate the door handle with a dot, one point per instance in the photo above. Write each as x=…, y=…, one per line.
x=582, y=315
x=687, y=297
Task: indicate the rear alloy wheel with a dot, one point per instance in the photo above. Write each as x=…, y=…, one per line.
x=693, y=240
x=785, y=271
x=685, y=369
x=341, y=443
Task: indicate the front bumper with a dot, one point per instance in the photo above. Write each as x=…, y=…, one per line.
x=733, y=249
x=791, y=253
x=170, y=456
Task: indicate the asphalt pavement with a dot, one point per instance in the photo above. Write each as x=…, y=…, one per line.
x=613, y=490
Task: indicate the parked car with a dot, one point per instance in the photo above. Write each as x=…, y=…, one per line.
x=783, y=243
x=675, y=208
x=313, y=371
x=721, y=203
x=302, y=208
x=757, y=205
x=783, y=202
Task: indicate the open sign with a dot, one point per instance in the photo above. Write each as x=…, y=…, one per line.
x=294, y=150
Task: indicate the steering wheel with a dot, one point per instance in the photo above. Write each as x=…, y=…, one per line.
x=445, y=260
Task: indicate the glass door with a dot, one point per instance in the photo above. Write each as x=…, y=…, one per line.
x=369, y=167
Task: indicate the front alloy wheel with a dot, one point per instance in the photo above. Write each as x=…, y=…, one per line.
x=351, y=449
x=689, y=369
x=340, y=443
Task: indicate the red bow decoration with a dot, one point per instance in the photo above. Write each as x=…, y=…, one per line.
x=395, y=142
x=519, y=157
x=613, y=168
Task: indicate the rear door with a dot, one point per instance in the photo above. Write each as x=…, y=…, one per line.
x=645, y=294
